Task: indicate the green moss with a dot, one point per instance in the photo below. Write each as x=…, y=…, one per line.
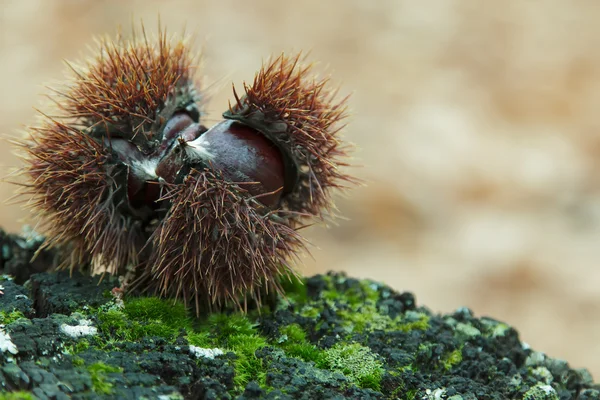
x=357, y=363
x=78, y=361
x=225, y=325
x=293, y=342
x=10, y=317
x=451, y=359
x=200, y=339
x=364, y=293
x=310, y=311
x=247, y=367
x=20, y=395
x=114, y=324
x=235, y=333
x=294, y=289
x=100, y=383
x=421, y=323
x=77, y=347
x=144, y=317
x=357, y=307
x=294, y=333
x=365, y=318
x=150, y=309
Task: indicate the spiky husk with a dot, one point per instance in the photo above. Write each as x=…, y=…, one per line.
x=218, y=244
x=129, y=89
x=132, y=87
x=71, y=189
x=301, y=115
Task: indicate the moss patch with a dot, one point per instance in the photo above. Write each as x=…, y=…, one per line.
x=100, y=380
x=335, y=337
x=10, y=317
x=293, y=341
x=357, y=363
x=20, y=395
x=144, y=317
x=451, y=359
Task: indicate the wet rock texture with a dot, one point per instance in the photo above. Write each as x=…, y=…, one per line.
x=333, y=337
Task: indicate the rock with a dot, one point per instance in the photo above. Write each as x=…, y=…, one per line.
x=332, y=338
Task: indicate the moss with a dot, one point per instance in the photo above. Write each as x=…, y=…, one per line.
x=310, y=311
x=295, y=289
x=294, y=333
x=420, y=323
x=293, y=342
x=357, y=363
x=142, y=317
x=367, y=318
x=200, y=339
x=226, y=325
x=411, y=394
x=235, y=333
x=10, y=317
x=247, y=367
x=361, y=294
x=357, y=306
x=78, y=361
x=77, y=347
x=451, y=359
x=150, y=309
x=100, y=383
x=20, y=395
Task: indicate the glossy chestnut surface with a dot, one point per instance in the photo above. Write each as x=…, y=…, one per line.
x=246, y=157
x=240, y=153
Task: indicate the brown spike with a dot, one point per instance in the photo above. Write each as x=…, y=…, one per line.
x=236, y=250
x=284, y=91
x=124, y=174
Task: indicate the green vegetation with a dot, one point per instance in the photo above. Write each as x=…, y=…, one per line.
x=21, y=395
x=144, y=317
x=451, y=359
x=357, y=363
x=10, y=317
x=237, y=333
x=295, y=290
x=293, y=342
x=100, y=383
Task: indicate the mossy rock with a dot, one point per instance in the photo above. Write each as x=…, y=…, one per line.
x=332, y=337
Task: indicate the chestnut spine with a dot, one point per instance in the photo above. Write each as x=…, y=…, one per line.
x=126, y=176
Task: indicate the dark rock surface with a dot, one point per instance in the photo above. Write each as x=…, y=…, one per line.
x=334, y=337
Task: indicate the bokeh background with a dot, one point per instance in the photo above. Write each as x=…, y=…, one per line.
x=477, y=123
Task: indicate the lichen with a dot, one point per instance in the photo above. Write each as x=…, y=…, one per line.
x=334, y=337
x=357, y=363
x=541, y=392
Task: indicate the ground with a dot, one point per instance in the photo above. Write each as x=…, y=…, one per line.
x=68, y=336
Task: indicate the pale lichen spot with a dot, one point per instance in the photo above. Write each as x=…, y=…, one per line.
x=84, y=328
x=205, y=353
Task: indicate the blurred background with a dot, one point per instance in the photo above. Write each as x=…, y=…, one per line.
x=477, y=123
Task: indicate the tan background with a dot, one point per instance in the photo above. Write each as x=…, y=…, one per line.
x=478, y=123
